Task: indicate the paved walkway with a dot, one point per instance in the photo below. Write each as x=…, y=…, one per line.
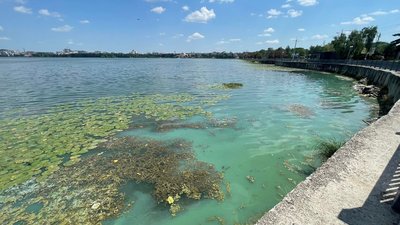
x=356, y=186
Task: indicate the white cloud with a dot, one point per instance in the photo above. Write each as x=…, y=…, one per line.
x=45, y=12
x=21, y=1
x=301, y=29
x=162, y=34
x=23, y=9
x=268, y=42
x=195, y=36
x=273, y=13
x=382, y=13
x=378, y=13
x=361, y=20
x=72, y=42
x=264, y=35
x=158, y=10
x=320, y=37
x=347, y=32
x=1, y=28
x=267, y=32
x=221, y=1
x=4, y=39
x=368, y=18
x=185, y=8
x=158, y=1
x=65, y=28
x=294, y=13
x=272, y=42
x=286, y=6
x=235, y=39
x=221, y=42
x=177, y=36
x=84, y=21
x=201, y=16
x=307, y=2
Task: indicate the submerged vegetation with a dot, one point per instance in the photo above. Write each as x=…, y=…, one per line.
x=223, y=86
x=325, y=149
x=322, y=151
x=232, y=85
x=301, y=111
x=90, y=189
x=37, y=146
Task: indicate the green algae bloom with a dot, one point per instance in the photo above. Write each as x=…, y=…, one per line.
x=37, y=146
x=232, y=85
x=88, y=192
x=222, y=87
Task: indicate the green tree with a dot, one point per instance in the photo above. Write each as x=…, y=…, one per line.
x=380, y=47
x=355, y=44
x=287, y=52
x=301, y=52
x=369, y=34
x=339, y=44
x=316, y=49
x=328, y=48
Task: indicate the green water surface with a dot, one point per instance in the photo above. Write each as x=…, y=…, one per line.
x=267, y=137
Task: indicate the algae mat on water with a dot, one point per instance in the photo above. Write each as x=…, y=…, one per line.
x=88, y=192
x=37, y=146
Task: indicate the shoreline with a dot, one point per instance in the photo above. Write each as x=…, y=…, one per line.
x=347, y=189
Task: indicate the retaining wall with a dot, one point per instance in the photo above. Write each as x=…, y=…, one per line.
x=379, y=77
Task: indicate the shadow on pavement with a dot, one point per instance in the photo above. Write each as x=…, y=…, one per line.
x=374, y=210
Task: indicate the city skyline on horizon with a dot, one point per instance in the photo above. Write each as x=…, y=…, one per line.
x=187, y=26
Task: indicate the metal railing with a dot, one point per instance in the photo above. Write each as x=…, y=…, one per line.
x=381, y=64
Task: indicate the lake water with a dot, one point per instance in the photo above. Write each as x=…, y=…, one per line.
x=263, y=142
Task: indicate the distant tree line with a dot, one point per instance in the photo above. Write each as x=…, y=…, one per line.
x=217, y=55
x=358, y=44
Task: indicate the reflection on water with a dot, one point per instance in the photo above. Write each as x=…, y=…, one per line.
x=260, y=137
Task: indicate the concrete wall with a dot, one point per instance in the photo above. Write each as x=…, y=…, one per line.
x=379, y=77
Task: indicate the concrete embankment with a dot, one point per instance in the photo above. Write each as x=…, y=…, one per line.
x=379, y=77
x=352, y=187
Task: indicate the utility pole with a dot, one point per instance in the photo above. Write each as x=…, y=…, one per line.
x=294, y=50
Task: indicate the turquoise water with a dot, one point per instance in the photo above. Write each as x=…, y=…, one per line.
x=269, y=133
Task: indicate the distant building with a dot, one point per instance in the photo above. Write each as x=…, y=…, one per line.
x=6, y=53
x=28, y=54
x=67, y=51
x=184, y=55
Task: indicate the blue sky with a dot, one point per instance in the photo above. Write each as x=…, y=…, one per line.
x=187, y=26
